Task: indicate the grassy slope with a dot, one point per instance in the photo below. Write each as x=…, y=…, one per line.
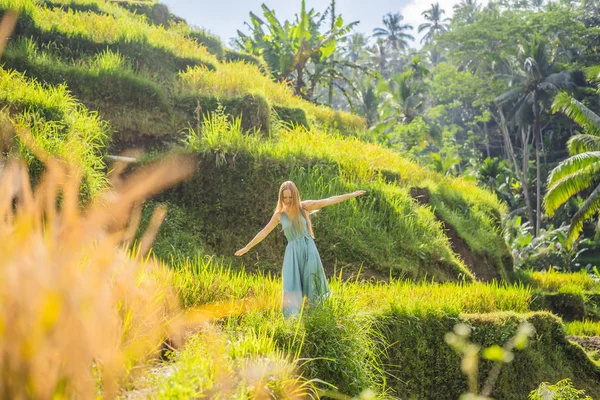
x=150, y=83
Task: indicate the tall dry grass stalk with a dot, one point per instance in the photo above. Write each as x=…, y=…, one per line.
x=77, y=311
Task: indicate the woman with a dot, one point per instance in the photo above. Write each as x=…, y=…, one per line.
x=303, y=273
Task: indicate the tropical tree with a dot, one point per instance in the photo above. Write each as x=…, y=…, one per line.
x=580, y=172
x=298, y=51
x=394, y=31
x=465, y=11
x=533, y=84
x=402, y=98
x=378, y=56
x=355, y=46
x=368, y=100
x=435, y=25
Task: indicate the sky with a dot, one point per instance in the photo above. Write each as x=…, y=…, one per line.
x=224, y=17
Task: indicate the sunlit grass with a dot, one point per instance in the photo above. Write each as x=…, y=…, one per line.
x=583, y=328
x=77, y=309
x=206, y=280
x=229, y=364
x=349, y=162
x=555, y=281
x=238, y=78
x=118, y=27
x=58, y=123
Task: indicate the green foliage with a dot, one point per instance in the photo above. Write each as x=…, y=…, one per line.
x=298, y=51
x=577, y=173
x=252, y=110
x=421, y=363
x=340, y=347
x=583, y=328
x=105, y=77
x=562, y=390
x=236, y=56
x=553, y=281
x=550, y=248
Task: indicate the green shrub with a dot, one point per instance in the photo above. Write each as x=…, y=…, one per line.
x=291, y=115
x=562, y=390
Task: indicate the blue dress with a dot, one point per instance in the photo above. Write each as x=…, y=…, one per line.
x=303, y=274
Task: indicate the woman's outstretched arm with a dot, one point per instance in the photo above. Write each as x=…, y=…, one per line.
x=260, y=235
x=312, y=205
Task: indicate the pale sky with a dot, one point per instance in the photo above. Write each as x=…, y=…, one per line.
x=223, y=17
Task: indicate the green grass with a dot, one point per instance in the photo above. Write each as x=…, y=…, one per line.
x=236, y=78
x=583, y=328
x=80, y=33
x=386, y=229
x=59, y=125
x=386, y=337
x=563, y=282
x=232, y=365
x=206, y=280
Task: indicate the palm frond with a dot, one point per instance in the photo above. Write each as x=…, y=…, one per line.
x=579, y=113
x=587, y=210
x=509, y=95
x=562, y=190
x=560, y=80
x=583, y=142
x=573, y=164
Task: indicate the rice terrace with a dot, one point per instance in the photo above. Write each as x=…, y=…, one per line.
x=404, y=206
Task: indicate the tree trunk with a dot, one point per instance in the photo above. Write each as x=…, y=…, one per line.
x=331, y=73
x=525, y=174
x=501, y=120
x=538, y=140
x=487, y=140
x=522, y=173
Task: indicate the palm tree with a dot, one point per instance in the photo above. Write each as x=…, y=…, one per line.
x=368, y=100
x=355, y=46
x=402, y=98
x=394, y=31
x=417, y=68
x=466, y=10
x=579, y=172
x=378, y=55
x=435, y=55
x=535, y=82
x=436, y=24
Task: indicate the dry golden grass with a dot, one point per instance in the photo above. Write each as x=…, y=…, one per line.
x=76, y=309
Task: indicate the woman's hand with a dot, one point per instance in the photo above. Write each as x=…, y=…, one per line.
x=358, y=193
x=242, y=251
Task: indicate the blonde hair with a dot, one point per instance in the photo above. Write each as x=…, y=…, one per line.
x=295, y=209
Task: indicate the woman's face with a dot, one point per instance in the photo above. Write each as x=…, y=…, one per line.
x=287, y=197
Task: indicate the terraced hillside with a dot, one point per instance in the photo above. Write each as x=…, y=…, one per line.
x=84, y=80
x=161, y=85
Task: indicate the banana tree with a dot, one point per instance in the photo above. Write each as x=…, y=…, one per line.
x=298, y=51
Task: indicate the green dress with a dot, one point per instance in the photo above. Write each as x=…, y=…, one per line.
x=303, y=274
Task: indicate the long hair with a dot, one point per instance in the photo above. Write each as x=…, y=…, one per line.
x=294, y=209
